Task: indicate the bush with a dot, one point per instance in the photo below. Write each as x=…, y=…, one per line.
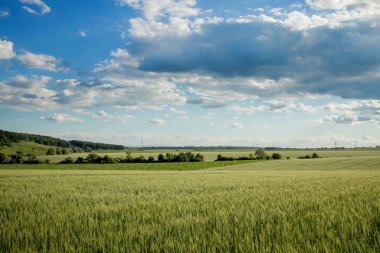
x=260, y=154
x=93, y=158
x=276, y=156
x=4, y=158
x=150, y=159
x=315, y=155
x=68, y=160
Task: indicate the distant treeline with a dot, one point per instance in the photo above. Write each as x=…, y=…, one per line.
x=19, y=158
x=260, y=154
x=7, y=138
x=168, y=157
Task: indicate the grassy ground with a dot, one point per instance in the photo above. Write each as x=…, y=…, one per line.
x=211, y=155
x=26, y=148
x=320, y=205
x=126, y=166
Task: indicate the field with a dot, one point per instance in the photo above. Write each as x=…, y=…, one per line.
x=210, y=155
x=315, y=205
x=26, y=147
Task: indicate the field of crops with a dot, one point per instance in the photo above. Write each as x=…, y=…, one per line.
x=210, y=155
x=316, y=205
x=172, y=166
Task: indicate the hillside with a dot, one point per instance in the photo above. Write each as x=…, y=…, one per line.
x=26, y=147
x=9, y=139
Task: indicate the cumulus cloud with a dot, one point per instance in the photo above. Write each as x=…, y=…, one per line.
x=6, y=50
x=120, y=61
x=62, y=118
x=28, y=94
x=161, y=18
x=330, y=50
x=40, y=61
x=353, y=112
x=43, y=7
x=159, y=122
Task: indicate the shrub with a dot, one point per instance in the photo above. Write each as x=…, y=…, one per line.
x=4, y=158
x=276, y=156
x=68, y=160
x=260, y=154
x=315, y=155
x=150, y=159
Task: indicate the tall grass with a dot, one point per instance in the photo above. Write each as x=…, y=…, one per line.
x=195, y=211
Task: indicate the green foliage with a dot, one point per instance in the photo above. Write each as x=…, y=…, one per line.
x=4, y=158
x=51, y=151
x=314, y=155
x=260, y=154
x=276, y=156
x=8, y=138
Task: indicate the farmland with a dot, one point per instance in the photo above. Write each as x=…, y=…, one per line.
x=313, y=205
x=210, y=155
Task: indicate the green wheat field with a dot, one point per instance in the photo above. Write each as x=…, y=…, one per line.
x=330, y=204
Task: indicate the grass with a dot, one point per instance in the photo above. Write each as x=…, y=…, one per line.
x=125, y=166
x=26, y=147
x=211, y=155
x=320, y=205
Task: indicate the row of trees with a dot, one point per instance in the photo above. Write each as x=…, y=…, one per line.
x=313, y=156
x=7, y=138
x=63, y=151
x=260, y=154
x=168, y=157
x=20, y=158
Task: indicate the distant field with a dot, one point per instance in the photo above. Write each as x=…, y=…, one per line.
x=320, y=205
x=211, y=155
x=126, y=166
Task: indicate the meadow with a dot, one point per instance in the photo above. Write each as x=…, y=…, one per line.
x=313, y=205
x=211, y=155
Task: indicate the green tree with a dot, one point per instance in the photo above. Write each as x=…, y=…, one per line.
x=260, y=154
x=276, y=156
x=51, y=151
x=4, y=158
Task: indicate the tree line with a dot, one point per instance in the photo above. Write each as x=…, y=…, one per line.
x=20, y=158
x=7, y=138
x=168, y=157
x=260, y=154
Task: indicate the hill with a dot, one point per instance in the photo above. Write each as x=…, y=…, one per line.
x=10, y=138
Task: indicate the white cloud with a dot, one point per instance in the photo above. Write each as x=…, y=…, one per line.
x=4, y=13
x=40, y=61
x=44, y=8
x=28, y=94
x=120, y=61
x=6, y=50
x=112, y=117
x=159, y=122
x=167, y=17
x=62, y=118
x=83, y=33
x=353, y=112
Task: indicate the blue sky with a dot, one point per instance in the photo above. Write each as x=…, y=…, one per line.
x=187, y=72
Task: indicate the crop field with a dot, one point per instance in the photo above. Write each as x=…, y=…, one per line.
x=210, y=155
x=312, y=205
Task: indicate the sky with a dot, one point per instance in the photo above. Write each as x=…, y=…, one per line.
x=193, y=73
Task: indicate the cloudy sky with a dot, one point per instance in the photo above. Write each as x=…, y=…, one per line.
x=185, y=72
